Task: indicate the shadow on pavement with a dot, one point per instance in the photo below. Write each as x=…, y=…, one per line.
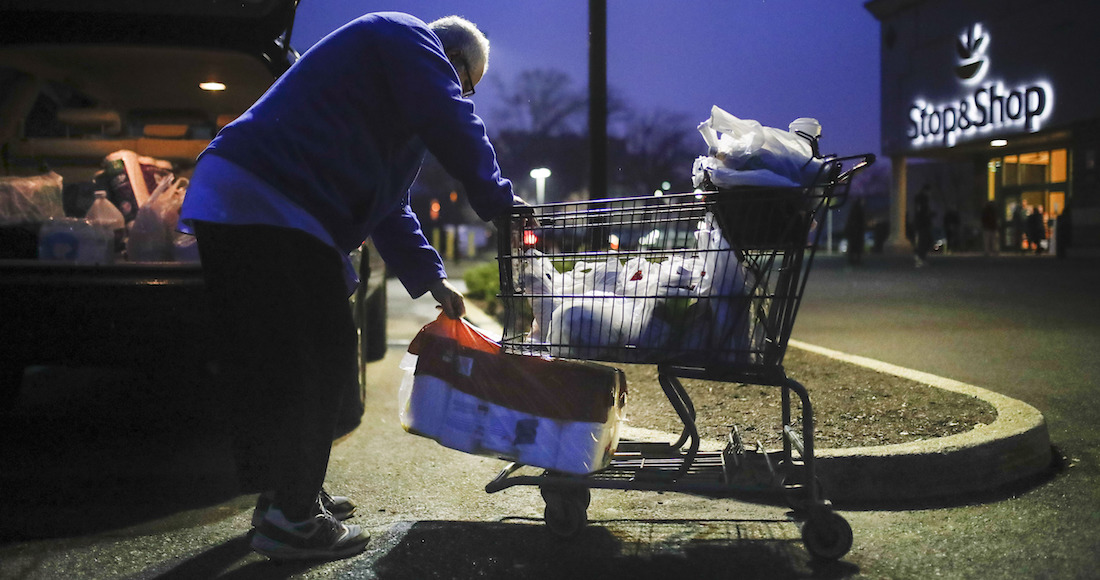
x=234, y=559
x=89, y=450
x=632, y=549
x=614, y=549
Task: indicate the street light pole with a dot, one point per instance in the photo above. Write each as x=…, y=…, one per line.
x=540, y=174
x=597, y=98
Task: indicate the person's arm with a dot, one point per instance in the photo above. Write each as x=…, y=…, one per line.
x=428, y=96
x=402, y=245
x=400, y=242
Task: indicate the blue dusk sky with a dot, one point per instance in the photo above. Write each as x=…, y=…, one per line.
x=768, y=60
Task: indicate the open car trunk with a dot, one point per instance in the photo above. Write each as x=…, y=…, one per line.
x=81, y=80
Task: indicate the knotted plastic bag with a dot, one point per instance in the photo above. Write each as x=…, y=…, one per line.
x=744, y=152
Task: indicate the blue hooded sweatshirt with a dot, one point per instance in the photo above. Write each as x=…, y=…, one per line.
x=342, y=135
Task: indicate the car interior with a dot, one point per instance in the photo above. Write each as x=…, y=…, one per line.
x=68, y=106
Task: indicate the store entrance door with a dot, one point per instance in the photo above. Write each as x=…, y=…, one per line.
x=1029, y=216
x=1031, y=189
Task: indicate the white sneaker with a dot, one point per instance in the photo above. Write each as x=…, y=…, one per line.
x=320, y=537
x=339, y=506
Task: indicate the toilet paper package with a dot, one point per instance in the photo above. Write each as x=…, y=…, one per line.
x=582, y=446
x=537, y=441
x=462, y=427
x=561, y=415
x=425, y=405
x=503, y=428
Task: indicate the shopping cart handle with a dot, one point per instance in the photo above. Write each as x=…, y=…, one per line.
x=835, y=182
x=521, y=207
x=866, y=160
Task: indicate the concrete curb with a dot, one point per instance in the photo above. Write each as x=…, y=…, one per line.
x=1016, y=446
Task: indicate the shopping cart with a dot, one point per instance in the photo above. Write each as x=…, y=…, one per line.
x=703, y=285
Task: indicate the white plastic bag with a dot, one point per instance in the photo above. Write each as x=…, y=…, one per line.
x=582, y=327
x=746, y=152
x=723, y=273
x=678, y=276
x=713, y=169
x=723, y=314
x=639, y=277
x=592, y=276
x=539, y=279
x=549, y=289
x=152, y=235
x=599, y=306
x=30, y=200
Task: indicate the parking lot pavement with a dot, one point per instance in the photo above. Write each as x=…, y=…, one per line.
x=109, y=474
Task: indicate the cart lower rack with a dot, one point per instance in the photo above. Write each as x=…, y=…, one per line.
x=702, y=285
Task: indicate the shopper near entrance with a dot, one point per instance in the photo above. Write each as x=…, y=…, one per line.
x=1018, y=227
x=1036, y=229
x=278, y=200
x=990, y=227
x=922, y=226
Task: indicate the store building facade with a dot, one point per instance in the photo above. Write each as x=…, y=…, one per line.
x=1010, y=88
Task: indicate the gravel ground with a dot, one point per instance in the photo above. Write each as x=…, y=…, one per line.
x=853, y=406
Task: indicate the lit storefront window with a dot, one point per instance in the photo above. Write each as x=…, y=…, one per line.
x=1024, y=183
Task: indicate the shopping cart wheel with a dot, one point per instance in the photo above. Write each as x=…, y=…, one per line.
x=827, y=535
x=576, y=494
x=798, y=495
x=566, y=509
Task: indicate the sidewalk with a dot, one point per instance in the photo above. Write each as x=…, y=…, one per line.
x=1014, y=448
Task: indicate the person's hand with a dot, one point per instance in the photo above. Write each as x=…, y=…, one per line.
x=449, y=298
x=524, y=209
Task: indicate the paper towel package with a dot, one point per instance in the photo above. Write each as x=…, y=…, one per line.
x=560, y=415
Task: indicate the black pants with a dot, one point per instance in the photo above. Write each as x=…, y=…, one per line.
x=288, y=351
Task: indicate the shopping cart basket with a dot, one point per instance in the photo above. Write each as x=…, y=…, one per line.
x=703, y=285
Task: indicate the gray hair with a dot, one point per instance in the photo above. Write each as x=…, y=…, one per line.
x=462, y=36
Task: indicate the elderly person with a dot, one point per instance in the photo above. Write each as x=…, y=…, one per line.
x=277, y=201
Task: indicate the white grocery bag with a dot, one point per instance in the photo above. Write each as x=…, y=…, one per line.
x=744, y=152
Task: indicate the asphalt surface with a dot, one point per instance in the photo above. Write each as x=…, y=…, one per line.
x=107, y=475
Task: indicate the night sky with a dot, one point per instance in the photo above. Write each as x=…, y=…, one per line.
x=768, y=60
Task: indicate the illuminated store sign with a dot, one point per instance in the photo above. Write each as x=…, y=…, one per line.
x=985, y=107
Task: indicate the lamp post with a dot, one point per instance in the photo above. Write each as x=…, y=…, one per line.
x=540, y=174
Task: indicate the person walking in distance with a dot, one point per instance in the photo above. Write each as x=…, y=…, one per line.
x=922, y=226
x=854, y=230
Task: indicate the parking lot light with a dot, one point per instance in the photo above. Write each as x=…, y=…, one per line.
x=539, y=174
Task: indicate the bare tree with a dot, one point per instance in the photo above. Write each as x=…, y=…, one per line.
x=654, y=147
x=542, y=102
